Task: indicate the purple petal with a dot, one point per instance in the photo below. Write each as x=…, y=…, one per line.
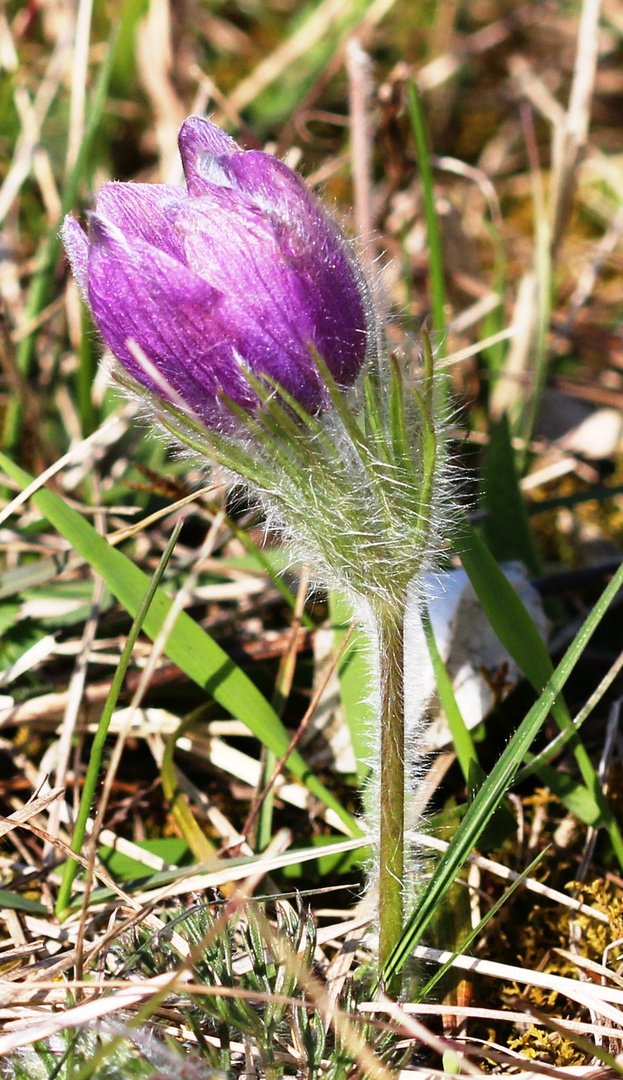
x=200, y=141
x=312, y=246
x=335, y=289
x=292, y=293
x=262, y=294
x=139, y=211
x=266, y=349
x=227, y=241
x=273, y=187
x=141, y=293
x=77, y=249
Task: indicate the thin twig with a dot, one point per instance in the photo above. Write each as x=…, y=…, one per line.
x=78, y=83
x=359, y=67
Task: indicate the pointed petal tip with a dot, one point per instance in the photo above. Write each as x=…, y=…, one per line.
x=200, y=138
x=197, y=133
x=72, y=234
x=76, y=246
x=102, y=232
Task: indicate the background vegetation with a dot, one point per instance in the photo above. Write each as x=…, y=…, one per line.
x=475, y=151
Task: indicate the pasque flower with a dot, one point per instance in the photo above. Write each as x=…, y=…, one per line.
x=240, y=271
x=212, y=297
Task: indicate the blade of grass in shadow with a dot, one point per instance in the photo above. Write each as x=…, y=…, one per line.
x=190, y=647
x=424, y=993
x=506, y=526
x=516, y=630
x=14, y=901
x=461, y=738
x=435, y=253
x=354, y=675
x=504, y=609
x=574, y=796
x=495, y=321
x=494, y=788
x=200, y=845
x=543, y=270
x=599, y=492
x=97, y=749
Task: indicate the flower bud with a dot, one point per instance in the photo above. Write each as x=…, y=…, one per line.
x=241, y=271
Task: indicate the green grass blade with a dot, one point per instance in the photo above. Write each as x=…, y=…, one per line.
x=598, y=493
x=506, y=526
x=435, y=253
x=190, y=647
x=574, y=796
x=354, y=676
x=461, y=738
x=517, y=632
x=504, y=609
x=494, y=788
x=95, y=758
x=14, y=901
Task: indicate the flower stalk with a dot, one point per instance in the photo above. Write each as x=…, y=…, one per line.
x=390, y=635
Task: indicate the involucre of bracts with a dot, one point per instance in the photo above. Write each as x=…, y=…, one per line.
x=360, y=492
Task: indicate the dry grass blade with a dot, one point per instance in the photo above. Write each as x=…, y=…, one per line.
x=197, y=880
x=596, y=998
x=74, y=700
x=421, y=1034
x=466, y=1012
x=358, y=66
x=503, y=872
x=155, y=58
x=6, y=825
x=34, y=806
x=571, y=136
x=83, y=1014
x=309, y=34
x=25, y=151
x=79, y=70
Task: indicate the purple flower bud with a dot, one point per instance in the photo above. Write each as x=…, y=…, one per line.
x=240, y=270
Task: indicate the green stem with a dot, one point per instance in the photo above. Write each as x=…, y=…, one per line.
x=390, y=632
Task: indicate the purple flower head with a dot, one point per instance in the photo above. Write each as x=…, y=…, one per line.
x=241, y=270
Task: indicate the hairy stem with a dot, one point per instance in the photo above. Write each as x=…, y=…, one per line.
x=390, y=632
